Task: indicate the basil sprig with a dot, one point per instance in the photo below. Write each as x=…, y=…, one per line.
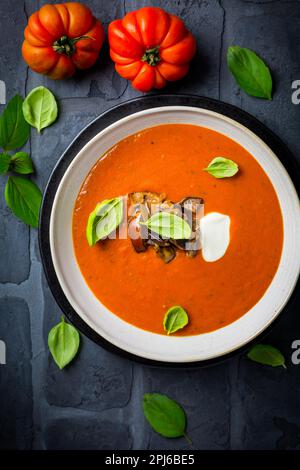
x=40, y=108
x=250, y=72
x=267, y=355
x=221, y=167
x=22, y=196
x=175, y=319
x=169, y=225
x=164, y=415
x=105, y=219
x=63, y=342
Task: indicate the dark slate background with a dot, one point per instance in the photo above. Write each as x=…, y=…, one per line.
x=96, y=402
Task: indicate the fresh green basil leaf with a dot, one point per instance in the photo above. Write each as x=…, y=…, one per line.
x=104, y=219
x=63, y=342
x=221, y=167
x=40, y=108
x=21, y=163
x=14, y=130
x=164, y=415
x=169, y=225
x=250, y=72
x=91, y=226
x=175, y=319
x=267, y=355
x=5, y=159
x=110, y=216
x=24, y=198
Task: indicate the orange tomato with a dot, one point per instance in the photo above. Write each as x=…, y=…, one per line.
x=150, y=47
x=62, y=38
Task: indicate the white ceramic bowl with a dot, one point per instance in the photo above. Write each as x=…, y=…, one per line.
x=128, y=337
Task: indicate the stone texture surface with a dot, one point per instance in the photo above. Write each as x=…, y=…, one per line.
x=14, y=236
x=96, y=402
x=86, y=433
x=16, y=404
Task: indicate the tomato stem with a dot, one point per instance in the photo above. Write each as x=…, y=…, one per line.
x=151, y=56
x=66, y=45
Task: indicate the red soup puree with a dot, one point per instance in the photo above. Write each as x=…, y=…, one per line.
x=140, y=288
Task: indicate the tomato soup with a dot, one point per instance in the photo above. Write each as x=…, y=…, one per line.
x=139, y=287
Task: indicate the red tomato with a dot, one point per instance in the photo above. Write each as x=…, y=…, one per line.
x=150, y=47
x=62, y=38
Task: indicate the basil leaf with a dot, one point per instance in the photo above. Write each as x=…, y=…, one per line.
x=169, y=225
x=40, y=108
x=91, y=226
x=21, y=163
x=104, y=219
x=14, y=130
x=221, y=167
x=24, y=198
x=164, y=415
x=4, y=163
x=111, y=215
x=250, y=72
x=63, y=342
x=175, y=319
x=267, y=355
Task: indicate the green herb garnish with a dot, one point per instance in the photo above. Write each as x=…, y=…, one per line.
x=14, y=130
x=40, y=108
x=250, y=72
x=104, y=219
x=175, y=319
x=221, y=167
x=164, y=415
x=5, y=159
x=168, y=225
x=267, y=355
x=63, y=342
x=21, y=163
x=24, y=198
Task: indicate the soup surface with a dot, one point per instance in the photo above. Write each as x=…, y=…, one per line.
x=140, y=288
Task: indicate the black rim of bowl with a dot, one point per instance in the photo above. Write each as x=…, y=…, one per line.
x=104, y=120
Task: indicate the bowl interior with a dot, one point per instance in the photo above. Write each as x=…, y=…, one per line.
x=128, y=337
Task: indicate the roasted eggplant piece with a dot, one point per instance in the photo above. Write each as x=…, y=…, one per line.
x=193, y=210
x=154, y=239
x=145, y=197
x=166, y=253
x=141, y=205
x=135, y=234
x=191, y=253
x=137, y=212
